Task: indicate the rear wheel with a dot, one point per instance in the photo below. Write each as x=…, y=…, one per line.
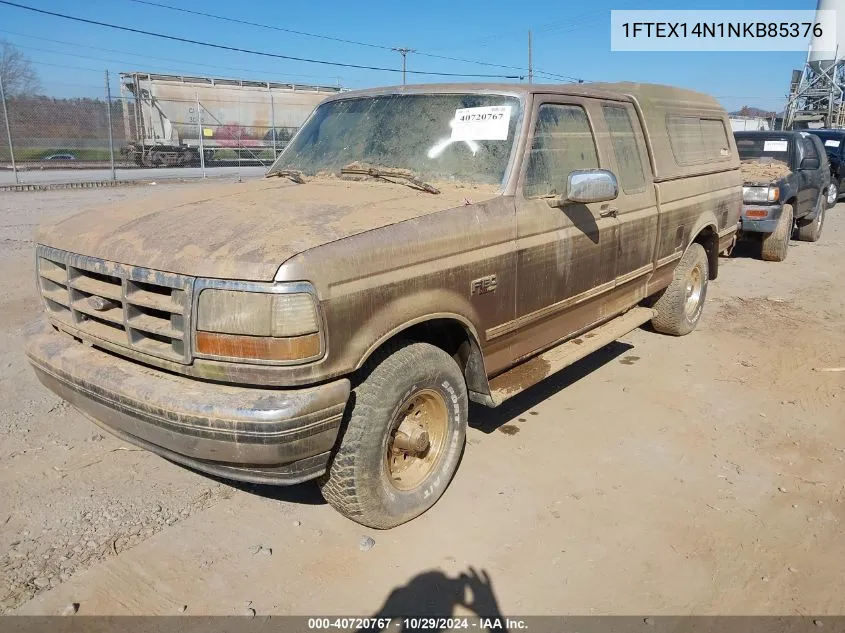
x=404, y=432
x=680, y=306
x=776, y=244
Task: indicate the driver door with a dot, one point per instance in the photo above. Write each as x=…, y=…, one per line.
x=809, y=181
x=566, y=257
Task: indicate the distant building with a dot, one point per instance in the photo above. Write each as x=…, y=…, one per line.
x=749, y=123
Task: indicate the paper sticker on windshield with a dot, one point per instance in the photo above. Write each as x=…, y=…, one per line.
x=775, y=146
x=489, y=123
x=831, y=143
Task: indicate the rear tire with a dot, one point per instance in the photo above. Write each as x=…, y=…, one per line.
x=680, y=306
x=373, y=481
x=776, y=244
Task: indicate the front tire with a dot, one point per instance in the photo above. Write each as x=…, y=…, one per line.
x=832, y=194
x=776, y=244
x=680, y=306
x=812, y=230
x=403, y=436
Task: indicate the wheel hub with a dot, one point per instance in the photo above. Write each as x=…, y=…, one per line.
x=417, y=439
x=411, y=438
x=692, y=294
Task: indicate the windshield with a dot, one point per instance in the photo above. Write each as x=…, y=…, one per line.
x=832, y=141
x=776, y=147
x=442, y=137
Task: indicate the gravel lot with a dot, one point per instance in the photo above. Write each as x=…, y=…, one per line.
x=701, y=474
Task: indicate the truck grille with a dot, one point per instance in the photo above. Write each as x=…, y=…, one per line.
x=142, y=309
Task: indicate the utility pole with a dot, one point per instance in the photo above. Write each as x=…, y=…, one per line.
x=108, y=119
x=404, y=52
x=530, y=61
x=8, y=130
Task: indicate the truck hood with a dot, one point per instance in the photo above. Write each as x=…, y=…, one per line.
x=244, y=230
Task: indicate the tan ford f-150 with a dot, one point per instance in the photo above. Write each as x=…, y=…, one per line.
x=412, y=249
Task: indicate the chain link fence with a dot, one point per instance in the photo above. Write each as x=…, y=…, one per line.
x=155, y=126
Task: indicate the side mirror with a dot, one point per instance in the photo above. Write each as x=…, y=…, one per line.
x=810, y=163
x=588, y=185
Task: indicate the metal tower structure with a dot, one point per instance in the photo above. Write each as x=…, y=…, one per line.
x=817, y=93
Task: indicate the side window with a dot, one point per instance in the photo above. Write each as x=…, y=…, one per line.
x=810, y=148
x=563, y=142
x=696, y=140
x=625, y=147
x=715, y=139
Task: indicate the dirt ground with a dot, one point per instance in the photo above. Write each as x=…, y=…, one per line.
x=703, y=474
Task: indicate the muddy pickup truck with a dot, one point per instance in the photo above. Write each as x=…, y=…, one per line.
x=413, y=248
x=787, y=177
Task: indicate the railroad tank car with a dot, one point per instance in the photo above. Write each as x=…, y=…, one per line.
x=170, y=119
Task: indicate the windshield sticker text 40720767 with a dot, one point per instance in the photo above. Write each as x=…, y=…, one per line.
x=488, y=123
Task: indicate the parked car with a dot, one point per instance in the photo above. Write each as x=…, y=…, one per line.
x=413, y=248
x=787, y=177
x=60, y=157
x=834, y=145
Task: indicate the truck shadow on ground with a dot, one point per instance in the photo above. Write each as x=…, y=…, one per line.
x=433, y=594
x=747, y=248
x=481, y=418
x=488, y=420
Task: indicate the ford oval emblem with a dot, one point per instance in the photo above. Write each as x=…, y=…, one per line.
x=100, y=303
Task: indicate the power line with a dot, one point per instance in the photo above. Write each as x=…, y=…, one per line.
x=40, y=63
x=179, y=71
x=224, y=18
x=246, y=50
x=261, y=26
x=166, y=59
x=471, y=61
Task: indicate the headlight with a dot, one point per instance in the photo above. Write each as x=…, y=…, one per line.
x=760, y=194
x=256, y=325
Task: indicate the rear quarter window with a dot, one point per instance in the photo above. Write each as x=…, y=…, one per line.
x=695, y=140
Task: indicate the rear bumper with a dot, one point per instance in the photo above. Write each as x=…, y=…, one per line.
x=258, y=435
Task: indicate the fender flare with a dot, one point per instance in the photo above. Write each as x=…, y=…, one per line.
x=474, y=369
x=707, y=221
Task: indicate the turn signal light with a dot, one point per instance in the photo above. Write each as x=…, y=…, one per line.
x=756, y=213
x=287, y=348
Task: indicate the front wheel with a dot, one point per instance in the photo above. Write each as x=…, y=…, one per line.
x=811, y=231
x=403, y=436
x=680, y=306
x=776, y=243
x=832, y=194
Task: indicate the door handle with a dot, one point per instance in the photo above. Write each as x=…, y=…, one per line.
x=609, y=213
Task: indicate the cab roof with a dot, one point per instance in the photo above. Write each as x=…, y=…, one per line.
x=642, y=92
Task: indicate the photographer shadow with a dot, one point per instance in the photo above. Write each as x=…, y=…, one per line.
x=434, y=595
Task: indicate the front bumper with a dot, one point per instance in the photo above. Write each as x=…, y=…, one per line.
x=267, y=436
x=760, y=225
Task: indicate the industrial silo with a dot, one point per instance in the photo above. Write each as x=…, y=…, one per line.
x=817, y=93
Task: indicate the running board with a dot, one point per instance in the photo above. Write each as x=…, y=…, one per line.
x=532, y=371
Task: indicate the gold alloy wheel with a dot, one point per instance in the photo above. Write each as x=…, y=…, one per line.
x=417, y=439
x=692, y=300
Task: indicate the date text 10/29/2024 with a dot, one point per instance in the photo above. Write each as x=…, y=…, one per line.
x=417, y=623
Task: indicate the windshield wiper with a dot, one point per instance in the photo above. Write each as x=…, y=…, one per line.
x=404, y=176
x=293, y=174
